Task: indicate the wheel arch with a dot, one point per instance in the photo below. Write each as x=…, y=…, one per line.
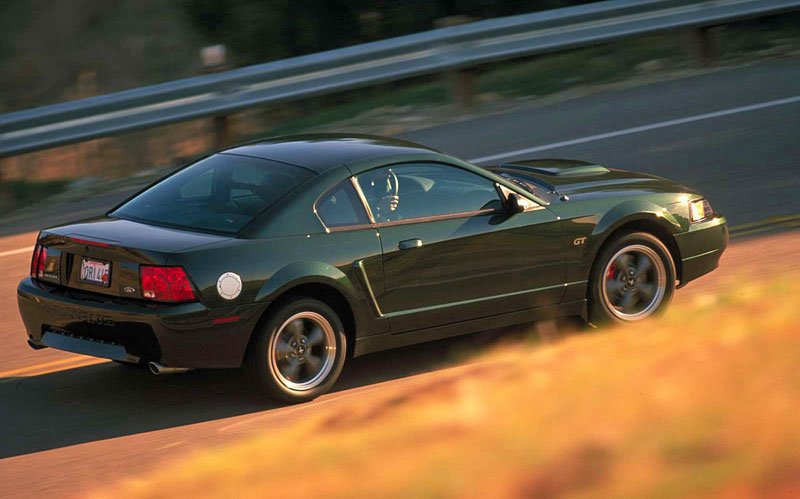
x=638, y=217
x=315, y=280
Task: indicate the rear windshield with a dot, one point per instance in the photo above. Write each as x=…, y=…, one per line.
x=221, y=193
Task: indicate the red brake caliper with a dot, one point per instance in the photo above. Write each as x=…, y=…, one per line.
x=612, y=270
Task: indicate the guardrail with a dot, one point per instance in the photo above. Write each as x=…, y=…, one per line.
x=347, y=68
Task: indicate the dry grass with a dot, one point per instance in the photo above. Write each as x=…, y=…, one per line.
x=702, y=402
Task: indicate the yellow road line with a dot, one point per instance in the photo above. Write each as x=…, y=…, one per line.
x=90, y=361
x=53, y=366
x=768, y=220
x=759, y=230
x=735, y=228
x=787, y=222
x=27, y=249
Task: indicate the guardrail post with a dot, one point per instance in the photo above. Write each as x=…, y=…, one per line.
x=452, y=54
x=214, y=61
x=700, y=45
x=222, y=131
x=460, y=82
x=462, y=86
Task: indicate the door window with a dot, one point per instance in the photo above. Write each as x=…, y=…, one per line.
x=418, y=190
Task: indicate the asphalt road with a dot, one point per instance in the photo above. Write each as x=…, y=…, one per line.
x=730, y=134
x=746, y=162
x=70, y=422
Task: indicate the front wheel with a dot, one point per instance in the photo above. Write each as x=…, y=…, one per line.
x=299, y=351
x=633, y=278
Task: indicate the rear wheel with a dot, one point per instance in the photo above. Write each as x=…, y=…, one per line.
x=299, y=351
x=633, y=278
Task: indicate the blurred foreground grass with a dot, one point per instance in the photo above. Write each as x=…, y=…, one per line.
x=702, y=402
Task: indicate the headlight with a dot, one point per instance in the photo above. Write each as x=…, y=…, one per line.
x=700, y=210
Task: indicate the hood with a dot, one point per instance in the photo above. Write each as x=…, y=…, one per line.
x=574, y=178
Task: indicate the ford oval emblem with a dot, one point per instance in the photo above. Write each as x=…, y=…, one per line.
x=129, y=290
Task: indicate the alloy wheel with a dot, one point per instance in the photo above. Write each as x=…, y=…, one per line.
x=634, y=282
x=303, y=351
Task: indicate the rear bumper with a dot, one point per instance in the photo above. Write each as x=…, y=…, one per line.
x=701, y=248
x=85, y=346
x=176, y=335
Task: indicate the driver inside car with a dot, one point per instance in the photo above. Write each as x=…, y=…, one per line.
x=384, y=198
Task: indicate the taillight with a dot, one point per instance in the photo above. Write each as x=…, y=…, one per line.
x=166, y=284
x=40, y=267
x=37, y=262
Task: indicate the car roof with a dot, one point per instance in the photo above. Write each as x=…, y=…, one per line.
x=323, y=151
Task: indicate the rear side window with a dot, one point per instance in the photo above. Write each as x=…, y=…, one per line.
x=341, y=207
x=222, y=193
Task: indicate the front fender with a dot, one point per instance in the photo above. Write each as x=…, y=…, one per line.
x=634, y=210
x=625, y=213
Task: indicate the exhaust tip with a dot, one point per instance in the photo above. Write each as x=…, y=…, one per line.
x=157, y=368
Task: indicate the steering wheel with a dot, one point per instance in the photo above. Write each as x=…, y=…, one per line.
x=390, y=200
x=232, y=203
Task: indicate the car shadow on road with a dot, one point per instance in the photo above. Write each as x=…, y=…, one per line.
x=105, y=400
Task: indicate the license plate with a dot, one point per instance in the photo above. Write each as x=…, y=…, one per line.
x=95, y=272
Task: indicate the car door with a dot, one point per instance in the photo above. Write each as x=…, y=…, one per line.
x=452, y=253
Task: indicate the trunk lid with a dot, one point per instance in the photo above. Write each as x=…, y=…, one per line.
x=113, y=247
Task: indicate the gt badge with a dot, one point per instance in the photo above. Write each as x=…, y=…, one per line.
x=578, y=241
x=229, y=285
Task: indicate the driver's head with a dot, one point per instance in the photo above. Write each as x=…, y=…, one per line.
x=382, y=192
x=380, y=184
x=376, y=185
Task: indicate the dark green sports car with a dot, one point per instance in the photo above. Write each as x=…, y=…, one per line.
x=292, y=254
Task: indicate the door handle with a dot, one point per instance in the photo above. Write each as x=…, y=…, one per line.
x=410, y=243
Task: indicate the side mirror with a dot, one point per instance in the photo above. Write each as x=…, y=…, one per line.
x=516, y=203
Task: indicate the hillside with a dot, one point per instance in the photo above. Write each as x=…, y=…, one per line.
x=701, y=402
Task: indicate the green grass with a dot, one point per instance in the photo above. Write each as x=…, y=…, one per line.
x=14, y=193
x=538, y=76
x=427, y=92
x=548, y=73
x=593, y=65
x=525, y=78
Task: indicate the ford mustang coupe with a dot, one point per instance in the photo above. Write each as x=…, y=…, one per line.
x=290, y=255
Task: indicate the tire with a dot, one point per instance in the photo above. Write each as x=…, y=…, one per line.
x=280, y=359
x=633, y=278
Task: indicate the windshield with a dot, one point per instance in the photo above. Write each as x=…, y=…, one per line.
x=221, y=193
